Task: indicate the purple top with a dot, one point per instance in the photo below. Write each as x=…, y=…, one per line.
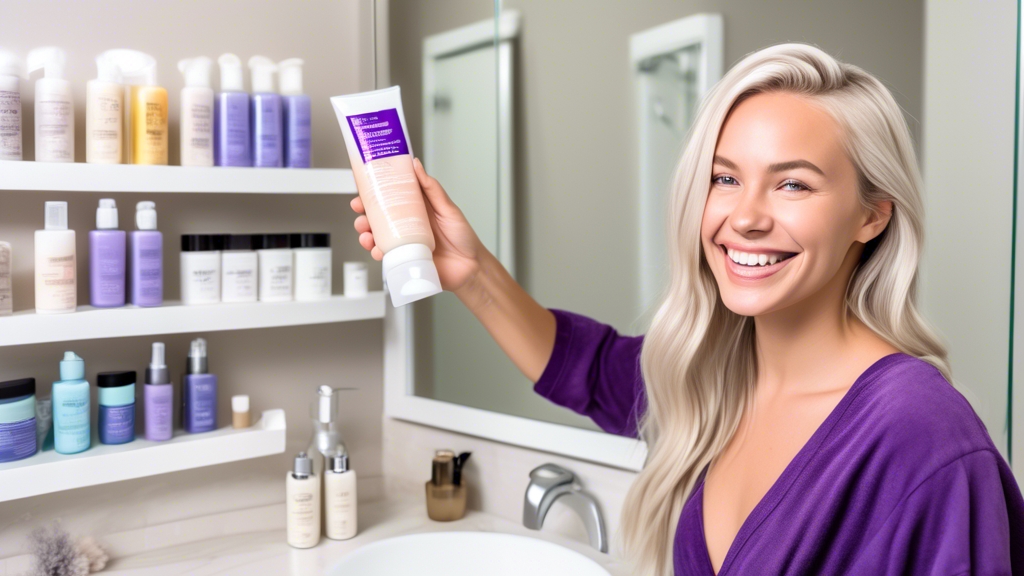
x=901, y=478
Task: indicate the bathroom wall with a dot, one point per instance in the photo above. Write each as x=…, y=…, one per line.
x=278, y=368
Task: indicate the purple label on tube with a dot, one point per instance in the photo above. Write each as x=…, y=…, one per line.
x=378, y=134
x=17, y=440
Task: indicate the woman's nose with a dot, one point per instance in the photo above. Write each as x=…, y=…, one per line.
x=751, y=211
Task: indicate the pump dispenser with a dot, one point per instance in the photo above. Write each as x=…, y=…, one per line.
x=196, y=112
x=71, y=412
x=231, y=133
x=107, y=258
x=145, y=258
x=55, y=107
x=104, y=114
x=10, y=106
x=158, y=397
x=55, y=260
x=446, y=492
x=302, y=486
x=198, y=392
x=145, y=107
x=267, y=145
x=340, y=499
x=296, y=110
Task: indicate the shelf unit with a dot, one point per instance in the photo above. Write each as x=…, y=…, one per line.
x=79, y=177
x=87, y=323
x=47, y=472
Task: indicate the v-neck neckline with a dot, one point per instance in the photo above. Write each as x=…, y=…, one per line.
x=775, y=493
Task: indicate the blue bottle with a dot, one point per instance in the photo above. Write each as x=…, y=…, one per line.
x=267, y=144
x=198, y=392
x=17, y=419
x=297, y=114
x=71, y=432
x=117, y=407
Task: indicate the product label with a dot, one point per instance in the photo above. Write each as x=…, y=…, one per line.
x=17, y=440
x=6, y=301
x=105, y=128
x=378, y=134
x=71, y=423
x=55, y=282
x=117, y=424
x=55, y=123
x=10, y=125
x=203, y=400
x=201, y=132
x=239, y=283
x=158, y=411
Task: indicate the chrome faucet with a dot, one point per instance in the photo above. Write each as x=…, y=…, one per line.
x=550, y=482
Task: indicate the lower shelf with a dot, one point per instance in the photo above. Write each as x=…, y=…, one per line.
x=49, y=471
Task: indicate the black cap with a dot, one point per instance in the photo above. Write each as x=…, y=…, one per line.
x=218, y=241
x=16, y=388
x=311, y=240
x=115, y=379
x=270, y=241
x=197, y=243
x=238, y=241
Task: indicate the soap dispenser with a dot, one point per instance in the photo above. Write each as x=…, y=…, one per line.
x=326, y=440
x=446, y=493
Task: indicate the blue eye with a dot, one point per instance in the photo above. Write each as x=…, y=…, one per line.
x=794, y=183
x=714, y=180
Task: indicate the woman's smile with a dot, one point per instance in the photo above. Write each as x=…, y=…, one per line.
x=745, y=274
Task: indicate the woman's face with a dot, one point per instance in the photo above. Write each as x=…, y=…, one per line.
x=783, y=190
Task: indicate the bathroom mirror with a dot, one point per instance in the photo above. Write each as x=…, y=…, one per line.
x=588, y=105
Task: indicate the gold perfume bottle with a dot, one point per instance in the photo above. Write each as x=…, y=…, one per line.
x=446, y=493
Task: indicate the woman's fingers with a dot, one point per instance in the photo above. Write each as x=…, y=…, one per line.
x=362, y=224
x=432, y=188
x=357, y=205
x=377, y=253
x=366, y=241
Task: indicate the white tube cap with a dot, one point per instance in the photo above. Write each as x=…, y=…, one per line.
x=410, y=274
x=106, y=215
x=230, y=73
x=240, y=403
x=196, y=71
x=262, y=74
x=56, y=215
x=145, y=215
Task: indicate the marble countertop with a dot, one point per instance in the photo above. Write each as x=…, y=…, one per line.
x=252, y=542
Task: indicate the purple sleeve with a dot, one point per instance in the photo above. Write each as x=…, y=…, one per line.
x=595, y=372
x=956, y=523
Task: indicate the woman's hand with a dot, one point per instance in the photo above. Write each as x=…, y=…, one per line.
x=458, y=250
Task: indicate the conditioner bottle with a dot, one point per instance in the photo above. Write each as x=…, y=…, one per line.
x=104, y=114
x=196, y=112
x=56, y=284
x=303, y=495
x=10, y=106
x=340, y=498
x=55, y=108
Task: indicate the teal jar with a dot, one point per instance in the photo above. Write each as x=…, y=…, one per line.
x=17, y=419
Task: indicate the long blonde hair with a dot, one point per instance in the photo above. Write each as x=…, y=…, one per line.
x=698, y=359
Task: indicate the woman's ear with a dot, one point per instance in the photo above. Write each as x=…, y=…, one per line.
x=877, y=220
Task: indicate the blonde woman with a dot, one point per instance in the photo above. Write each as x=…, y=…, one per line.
x=797, y=408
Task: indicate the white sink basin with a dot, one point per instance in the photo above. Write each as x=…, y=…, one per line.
x=466, y=554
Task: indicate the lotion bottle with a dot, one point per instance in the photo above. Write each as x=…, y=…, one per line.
x=107, y=258
x=303, y=495
x=145, y=108
x=104, y=114
x=196, y=112
x=146, y=258
x=71, y=433
x=55, y=107
x=296, y=112
x=10, y=106
x=340, y=498
x=267, y=146
x=56, y=284
x=232, y=135
x=198, y=392
x=158, y=397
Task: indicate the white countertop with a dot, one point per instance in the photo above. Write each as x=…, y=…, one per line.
x=252, y=542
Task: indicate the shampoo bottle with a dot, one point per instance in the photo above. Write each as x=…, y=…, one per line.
x=339, y=498
x=104, y=114
x=158, y=397
x=303, y=506
x=55, y=107
x=6, y=292
x=146, y=258
x=55, y=259
x=106, y=258
x=296, y=115
x=145, y=108
x=196, y=112
x=267, y=146
x=71, y=407
x=199, y=392
x=231, y=133
x=10, y=106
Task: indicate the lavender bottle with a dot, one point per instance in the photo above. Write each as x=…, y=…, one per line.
x=198, y=392
x=158, y=397
x=267, y=144
x=146, y=258
x=106, y=258
x=232, y=139
x=296, y=115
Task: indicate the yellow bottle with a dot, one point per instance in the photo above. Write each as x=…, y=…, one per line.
x=145, y=107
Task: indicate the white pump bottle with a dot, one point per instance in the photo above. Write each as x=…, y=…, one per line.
x=10, y=106
x=196, y=112
x=104, y=114
x=55, y=108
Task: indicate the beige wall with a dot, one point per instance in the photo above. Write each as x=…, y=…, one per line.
x=278, y=368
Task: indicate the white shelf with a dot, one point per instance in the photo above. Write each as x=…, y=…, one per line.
x=49, y=471
x=89, y=323
x=79, y=177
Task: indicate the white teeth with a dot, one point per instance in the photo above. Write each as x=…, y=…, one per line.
x=748, y=259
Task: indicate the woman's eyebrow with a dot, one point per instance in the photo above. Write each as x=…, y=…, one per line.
x=777, y=167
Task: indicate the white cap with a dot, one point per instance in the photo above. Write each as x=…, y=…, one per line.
x=107, y=70
x=145, y=215
x=289, y=74
x=230, y=73
x=137, y=68
x=196, y=71
x=106, y=215
x=50, y=59
x=56, y=215
x=410, y=274
x=10, y=64
x=262, y=73
x=240, y=403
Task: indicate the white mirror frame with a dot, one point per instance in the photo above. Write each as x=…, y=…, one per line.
x=400, y=402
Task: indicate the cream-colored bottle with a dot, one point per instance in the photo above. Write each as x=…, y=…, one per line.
x=56, y=284
x=340, y=498
x=104, y=114
x=303, y=495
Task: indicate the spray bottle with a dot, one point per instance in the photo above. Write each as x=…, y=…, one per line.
x=10, y=106
x=267, y=146
x=296, y=110
x=104, y=114
x=196, y=112
x=55, y=109
x=145, y=108
x=231, y=133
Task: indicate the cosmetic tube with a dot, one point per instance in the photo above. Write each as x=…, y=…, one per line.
x=10, y=106
x=373, y=125
x=239, y=268
x=55, y=107
x=107, y=258
x=158, y=397
x=199, y=392
x=200, y=269
x=18, y=419
x=312, y=266
x=56, y=283
x=71, y=428
x=146, y=258
x=104, y=114
x=116, y=422
x=231, y=130
x=196, y=112
x=276, y=265
x=6, y=290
